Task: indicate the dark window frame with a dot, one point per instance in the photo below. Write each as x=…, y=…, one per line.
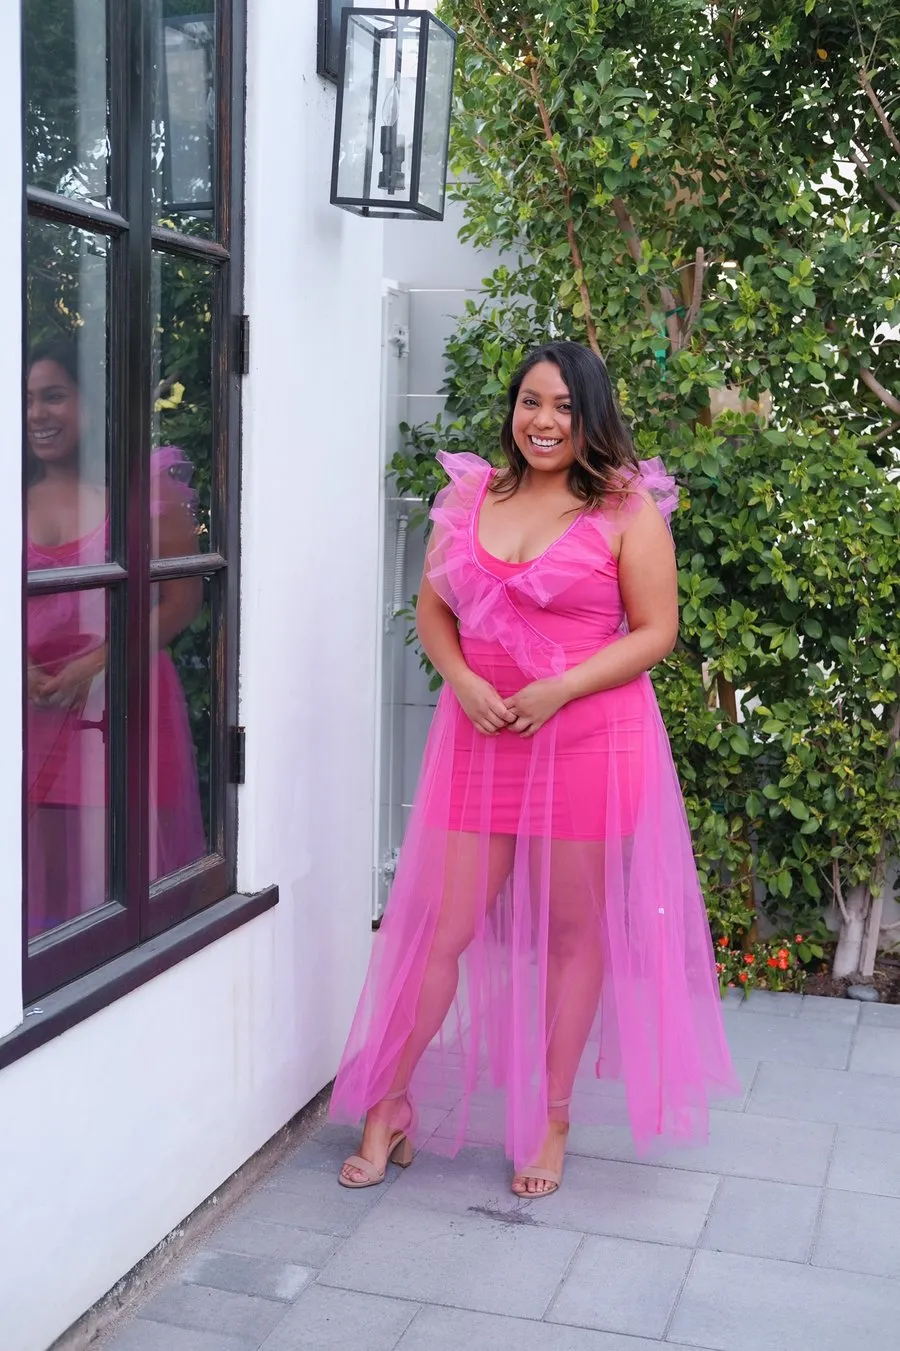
x=62, y=956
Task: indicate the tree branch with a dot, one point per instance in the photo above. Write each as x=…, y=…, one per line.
x=879, y=109
x=574, y=250
x=886, y=431
x=697, y=296
x=883, y=193
x=486, y=52
x=667, y=297
x=872, y=382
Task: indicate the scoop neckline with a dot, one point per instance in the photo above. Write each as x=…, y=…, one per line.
x=526, y=564
x=69, y=543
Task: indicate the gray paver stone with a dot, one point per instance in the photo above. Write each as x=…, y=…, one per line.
x=616, y=1285
x=142, y=1335
x=791, y=1306
x=825, y=1009
x=778, y=1002
x=788, y=1041
x=314, y=1200
x=247, y=1275
x=880, y=1015
x=325, y=1319
x=876, y=1050
x=860, y=1233
x=866, y=1161
x=763, y=1219
x=871, y=1100
x=207, y=1310
x=741, y=1145
x=465, y=1260
x=439, y=1329
x=746, y=1071
x=628, y=1200
x=477, y=1179
x=303, y=1247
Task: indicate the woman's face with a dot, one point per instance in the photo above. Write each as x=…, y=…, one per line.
x=542, y=419
x=54, y=413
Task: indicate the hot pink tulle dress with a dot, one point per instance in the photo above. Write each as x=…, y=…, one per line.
x=67, y=789
x=555, y=873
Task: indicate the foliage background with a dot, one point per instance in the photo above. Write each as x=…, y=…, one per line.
x=708, y=196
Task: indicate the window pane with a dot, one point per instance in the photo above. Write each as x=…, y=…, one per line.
x=182, y=431
x=184, y=115
x=180, y=724
x=66, y=97
x=66, y=456
x=67, y=779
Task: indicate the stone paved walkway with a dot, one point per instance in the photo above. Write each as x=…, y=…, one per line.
x=783, y=1234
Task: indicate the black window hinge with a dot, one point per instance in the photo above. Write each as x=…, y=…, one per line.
x=237, y=755
x=243, y=344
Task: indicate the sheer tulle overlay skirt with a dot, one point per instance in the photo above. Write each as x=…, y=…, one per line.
x=545, y=939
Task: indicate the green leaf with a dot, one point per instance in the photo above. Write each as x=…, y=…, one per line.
x=791, y=645
x=798, y=809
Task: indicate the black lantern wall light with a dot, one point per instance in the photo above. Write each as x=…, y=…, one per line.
x=392, y=127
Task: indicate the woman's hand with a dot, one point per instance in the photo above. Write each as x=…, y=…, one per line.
x=482, y=705
x=536, y=704
x=38, y=680
x=71, y=687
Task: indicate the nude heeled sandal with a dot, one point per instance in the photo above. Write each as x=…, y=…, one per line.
x=539, y=1174
x=400, y=1152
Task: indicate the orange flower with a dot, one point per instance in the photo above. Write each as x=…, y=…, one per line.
x=749, y=958
x=723, y=942
x=783, y=952
x=782, y=964
x=770, y=961
x=743, y=976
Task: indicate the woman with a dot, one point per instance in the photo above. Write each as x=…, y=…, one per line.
x=548, y=848
x=67, y=637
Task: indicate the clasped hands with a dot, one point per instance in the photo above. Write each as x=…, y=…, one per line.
x=524, y=713
x=70, y=688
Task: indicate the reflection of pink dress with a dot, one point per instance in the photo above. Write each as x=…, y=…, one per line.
x=559, y=866
x=67, y=749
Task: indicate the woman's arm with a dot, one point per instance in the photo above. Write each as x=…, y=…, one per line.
x=648, y=581
x=438, y=632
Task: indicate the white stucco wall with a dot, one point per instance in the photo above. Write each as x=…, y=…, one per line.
x=112, y=1133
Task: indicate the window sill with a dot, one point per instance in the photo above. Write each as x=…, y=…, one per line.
x=57, y=1012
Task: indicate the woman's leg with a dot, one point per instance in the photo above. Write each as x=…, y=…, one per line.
x=574, y=958
x=474, y=873
x=574, y=979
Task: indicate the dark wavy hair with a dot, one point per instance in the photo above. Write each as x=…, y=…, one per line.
x=606, y=463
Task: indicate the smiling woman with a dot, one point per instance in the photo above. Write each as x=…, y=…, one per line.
x=547, y=851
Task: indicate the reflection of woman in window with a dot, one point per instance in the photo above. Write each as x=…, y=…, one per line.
x=67, y=742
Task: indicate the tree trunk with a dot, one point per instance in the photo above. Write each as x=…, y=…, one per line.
x=849, y=955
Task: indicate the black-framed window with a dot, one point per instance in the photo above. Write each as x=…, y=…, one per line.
x=133, y=115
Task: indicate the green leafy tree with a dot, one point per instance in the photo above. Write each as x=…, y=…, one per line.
x=708, y=196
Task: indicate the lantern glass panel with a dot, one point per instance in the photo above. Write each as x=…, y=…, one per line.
x=436, y=117
x=356, y=128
